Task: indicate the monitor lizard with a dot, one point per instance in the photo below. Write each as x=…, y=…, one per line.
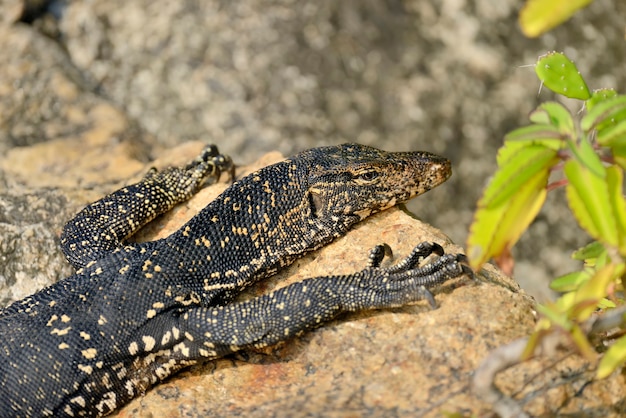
x=135, y=313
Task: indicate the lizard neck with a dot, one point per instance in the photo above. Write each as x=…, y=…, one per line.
x=258, y=225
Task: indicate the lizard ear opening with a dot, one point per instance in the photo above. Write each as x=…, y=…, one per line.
x=316, y=203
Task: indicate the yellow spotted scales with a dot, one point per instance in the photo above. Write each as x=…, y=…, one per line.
x=134, y=314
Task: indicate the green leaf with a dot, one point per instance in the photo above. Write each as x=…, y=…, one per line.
x=582, y=343
x=566, y=303
x=619, y=154
x=587, y=155
x=537, y=134
x=560, y=75
x=539, y=16
x=615, y=184
x=556, y=315
x=590, y=293
x=598, y=96
x=496, y=229
x=606, y=304
x=542, y=328
x=604, y=112
x=592, y=250
x=516, y=171
x=554, y=114
x=570, y=281
x=614, y=357
x=613, y=134
x=588, y=198
x=545, y=136
x=509, y=205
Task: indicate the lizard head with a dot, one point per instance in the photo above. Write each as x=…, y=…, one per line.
x=353, y=181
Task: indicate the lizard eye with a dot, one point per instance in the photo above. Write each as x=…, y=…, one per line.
x=368, y=176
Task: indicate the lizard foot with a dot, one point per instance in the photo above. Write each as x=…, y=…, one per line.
x=210, y=164
x=185, y=181
x=407, y=281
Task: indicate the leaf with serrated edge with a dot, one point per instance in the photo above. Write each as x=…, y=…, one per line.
x=588, y=198
x=497, y=228
x=560, y=75
x=517, y=171
x=539, y=16
x=523, y=138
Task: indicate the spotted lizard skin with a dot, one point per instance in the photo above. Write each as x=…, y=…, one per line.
x=134, y=314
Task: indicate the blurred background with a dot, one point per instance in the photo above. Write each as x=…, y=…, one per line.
x=446, y=76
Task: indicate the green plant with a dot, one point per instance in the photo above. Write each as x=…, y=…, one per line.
x=589, y=149
x=539, y=16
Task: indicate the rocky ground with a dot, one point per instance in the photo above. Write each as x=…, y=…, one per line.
x=92, y=92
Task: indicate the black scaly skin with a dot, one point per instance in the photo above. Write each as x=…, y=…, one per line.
x=133, y=314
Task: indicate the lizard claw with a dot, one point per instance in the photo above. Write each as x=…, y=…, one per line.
x=378, y=254
x=408, y=273
x=209, y=165
x=419, y=253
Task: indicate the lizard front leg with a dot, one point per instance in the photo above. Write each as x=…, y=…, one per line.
x=104, y=225
x=289, y=311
